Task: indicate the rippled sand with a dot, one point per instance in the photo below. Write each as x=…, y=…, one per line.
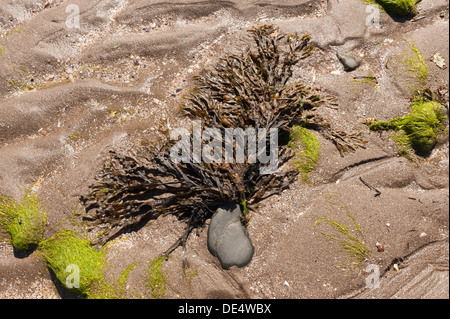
x=69, y=95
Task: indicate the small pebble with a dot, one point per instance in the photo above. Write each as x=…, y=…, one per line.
x=349, y=62
x=380, y=247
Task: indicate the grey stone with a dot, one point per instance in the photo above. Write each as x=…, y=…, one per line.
x=228, y=239
x=219, y=221
x=349, y=62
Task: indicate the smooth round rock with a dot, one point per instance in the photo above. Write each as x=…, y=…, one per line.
x=228, y=239
x=221, y=218
x=350, y=63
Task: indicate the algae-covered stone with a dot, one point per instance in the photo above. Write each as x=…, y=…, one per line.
x=228, y=239
x=24, y=221
x=74, y=261
x=399, y=7
x=419, y=128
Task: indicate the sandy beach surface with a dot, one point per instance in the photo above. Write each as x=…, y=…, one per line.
x=69, y=95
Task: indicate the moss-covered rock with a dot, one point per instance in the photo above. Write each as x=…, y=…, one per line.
x=418, y=129
x=75, y=262
x=397, y=7
x=23, y=221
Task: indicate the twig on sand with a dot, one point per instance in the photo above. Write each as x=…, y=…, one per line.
x=365, y=77
x=418, y=18
x=378, y=193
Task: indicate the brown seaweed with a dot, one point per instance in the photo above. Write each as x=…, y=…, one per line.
x=133, y=189
x=253, y=89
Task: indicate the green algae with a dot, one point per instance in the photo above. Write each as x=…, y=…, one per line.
x=396, y=7
x=417, y=130
x=23, y=221
x=415, y=67
x=345, y=237
x=307, y=148
x=68, y=253
x=113, y=290
x=157, y=278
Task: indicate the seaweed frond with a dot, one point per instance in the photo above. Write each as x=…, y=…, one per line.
x=254, y=89
x=415, y=65
x=346, y=238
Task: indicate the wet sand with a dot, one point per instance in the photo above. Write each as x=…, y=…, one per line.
x=79, y=93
